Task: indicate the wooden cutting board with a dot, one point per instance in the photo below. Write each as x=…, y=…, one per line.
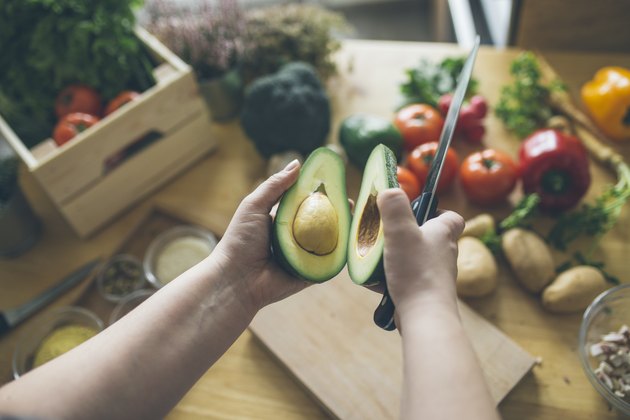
x=326, y=338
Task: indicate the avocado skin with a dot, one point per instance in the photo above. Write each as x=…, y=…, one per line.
x=359, y=134
x=279, y=257
x=378, y=275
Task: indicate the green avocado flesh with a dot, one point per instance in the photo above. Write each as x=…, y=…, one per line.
x=310, y=231
x=365, y=247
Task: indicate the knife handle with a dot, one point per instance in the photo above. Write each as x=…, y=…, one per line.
x=424, y=208
x=420, y=207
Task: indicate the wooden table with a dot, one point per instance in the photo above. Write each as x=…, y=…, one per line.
x=247, y=382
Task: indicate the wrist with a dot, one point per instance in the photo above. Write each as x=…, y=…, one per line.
x=428, y=305
x=229, y=281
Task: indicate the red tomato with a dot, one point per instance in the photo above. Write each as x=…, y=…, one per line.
x=408, y=182
x=488, y=177
x=71, y=125
x=120, y=99
x=419, y=124
x=419, y=162
x=78, y=98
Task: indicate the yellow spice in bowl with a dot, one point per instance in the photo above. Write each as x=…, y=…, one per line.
x=60, y=341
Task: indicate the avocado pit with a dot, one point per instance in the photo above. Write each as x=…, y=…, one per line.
x=369, y=226
x=315, y=226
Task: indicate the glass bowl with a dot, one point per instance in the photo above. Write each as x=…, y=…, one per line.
x=121, y=275
x=608, y=312
x=128, y=303
x=29, y=343
x=165, y=258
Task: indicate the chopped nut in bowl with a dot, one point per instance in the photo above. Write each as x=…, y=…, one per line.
x=604, y=346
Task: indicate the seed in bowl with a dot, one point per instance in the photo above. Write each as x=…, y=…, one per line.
x=613, y=354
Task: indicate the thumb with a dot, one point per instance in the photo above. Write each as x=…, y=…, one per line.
x=396, y=214
x=263, y=198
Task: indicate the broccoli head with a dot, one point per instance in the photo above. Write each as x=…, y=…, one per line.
x=288, y=110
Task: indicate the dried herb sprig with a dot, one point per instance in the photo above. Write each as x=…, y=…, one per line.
x=278, y=35
x=208, y=35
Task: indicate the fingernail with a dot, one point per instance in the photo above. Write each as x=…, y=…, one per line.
x=292, y=165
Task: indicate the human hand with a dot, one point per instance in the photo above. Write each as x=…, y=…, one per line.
x=244, y=253
x=420, y=262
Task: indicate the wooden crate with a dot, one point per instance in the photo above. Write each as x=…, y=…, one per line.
x=159, y=134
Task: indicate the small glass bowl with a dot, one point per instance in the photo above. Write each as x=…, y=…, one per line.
x=156, y=247
x=121, y=275
x=128, y=303
x=608, y=312
x=31, y=340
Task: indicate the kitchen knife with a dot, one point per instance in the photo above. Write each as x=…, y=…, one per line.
x=11, y=317
x=424, y=207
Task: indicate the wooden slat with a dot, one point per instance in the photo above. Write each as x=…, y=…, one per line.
x=81, y=161
x=140, y=175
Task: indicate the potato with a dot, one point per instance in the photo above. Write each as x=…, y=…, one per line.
x=476, y=268
x=479, y=225
x=529, y=257
x=573, y=290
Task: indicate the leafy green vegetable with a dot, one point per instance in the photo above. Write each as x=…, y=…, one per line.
x=593, y=219
x=524, y=105
x=427, y=82
x=522, y=215
x=49, y=44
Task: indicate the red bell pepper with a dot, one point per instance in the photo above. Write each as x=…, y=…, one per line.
x=555, y=166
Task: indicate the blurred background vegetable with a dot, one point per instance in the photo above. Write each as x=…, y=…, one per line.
x=206, y=34
x=524, y=105
x=280, y=34
x=419, y=124
x=288, y=110
x=359, y=134
x=48, y=45
x=555, y=166
x=427, y=82
x=607, y=98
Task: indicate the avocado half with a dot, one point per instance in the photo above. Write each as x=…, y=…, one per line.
x=310, y=231
x=365, y=246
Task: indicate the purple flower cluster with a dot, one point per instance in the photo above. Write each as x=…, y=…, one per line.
x=206, y=35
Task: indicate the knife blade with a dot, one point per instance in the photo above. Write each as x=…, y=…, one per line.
x=425, y=206
x=11, y=317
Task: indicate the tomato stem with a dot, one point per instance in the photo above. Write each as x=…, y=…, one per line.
x=489, y=163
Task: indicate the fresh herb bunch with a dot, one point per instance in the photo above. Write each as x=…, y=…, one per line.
x=8, y=179
x=208, y=35
x=524, y=105
x=278, y=35
x=593, y=219
x=522, y=215
x=49, y=44
x=427, y=82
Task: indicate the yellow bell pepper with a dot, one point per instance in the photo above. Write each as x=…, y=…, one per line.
x=607, y=98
